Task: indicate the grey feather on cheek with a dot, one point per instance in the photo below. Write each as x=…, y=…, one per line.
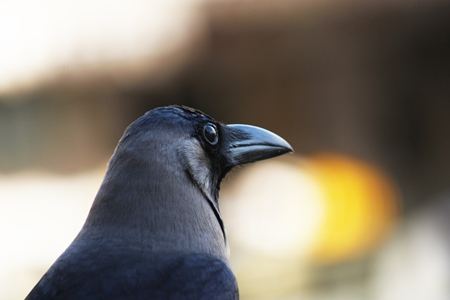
x=197, y=165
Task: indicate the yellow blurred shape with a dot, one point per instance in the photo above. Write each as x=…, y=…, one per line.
x=361, y=205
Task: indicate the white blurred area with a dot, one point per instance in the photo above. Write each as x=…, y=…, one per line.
x=273, y=211
x=415, y=264
x=40, y=215
x=41, y=40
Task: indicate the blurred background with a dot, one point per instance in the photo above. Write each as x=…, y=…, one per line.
x=359, y=88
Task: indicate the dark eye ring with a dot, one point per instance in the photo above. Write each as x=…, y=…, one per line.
x=210, y=134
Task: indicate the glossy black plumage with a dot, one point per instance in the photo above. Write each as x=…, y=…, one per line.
x=154, y=230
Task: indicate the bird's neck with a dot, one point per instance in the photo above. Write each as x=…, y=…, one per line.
x=155, y=208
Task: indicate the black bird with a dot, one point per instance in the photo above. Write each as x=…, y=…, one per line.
x=154, y=230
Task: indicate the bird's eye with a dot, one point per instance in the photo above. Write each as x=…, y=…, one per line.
x=210, y=134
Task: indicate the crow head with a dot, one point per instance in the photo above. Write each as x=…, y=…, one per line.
x=167, y=164
x=205, y=148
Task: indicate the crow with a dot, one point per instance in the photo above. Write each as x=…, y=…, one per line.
x=154, y=230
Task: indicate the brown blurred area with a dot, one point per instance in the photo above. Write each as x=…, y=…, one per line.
x=369, y=80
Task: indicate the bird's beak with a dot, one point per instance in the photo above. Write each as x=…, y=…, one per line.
x=248, y=143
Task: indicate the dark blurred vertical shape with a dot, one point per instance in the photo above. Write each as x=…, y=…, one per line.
x=368, y=80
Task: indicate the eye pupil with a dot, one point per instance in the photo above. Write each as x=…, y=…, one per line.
x=210, y=133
